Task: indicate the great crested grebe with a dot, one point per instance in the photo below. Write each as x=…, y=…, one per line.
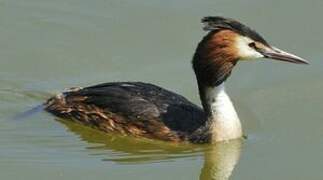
x=146, y=110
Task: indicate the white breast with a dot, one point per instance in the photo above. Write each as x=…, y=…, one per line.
x=225, y=121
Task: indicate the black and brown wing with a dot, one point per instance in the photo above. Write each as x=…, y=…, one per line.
x=135, y=108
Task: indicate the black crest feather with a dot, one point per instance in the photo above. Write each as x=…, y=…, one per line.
x=212, y=23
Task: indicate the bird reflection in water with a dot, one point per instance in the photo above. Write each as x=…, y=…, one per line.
x=220, y=159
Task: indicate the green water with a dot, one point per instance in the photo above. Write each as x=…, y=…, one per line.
x=47, y=46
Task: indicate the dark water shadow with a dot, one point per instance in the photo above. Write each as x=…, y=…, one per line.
x=219, y=159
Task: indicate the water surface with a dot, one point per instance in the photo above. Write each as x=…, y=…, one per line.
x=47, y=46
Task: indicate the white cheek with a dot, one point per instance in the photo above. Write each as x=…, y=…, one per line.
x=246, y=52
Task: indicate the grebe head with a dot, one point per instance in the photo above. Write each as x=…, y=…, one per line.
x=228, y=42
x=245, y=43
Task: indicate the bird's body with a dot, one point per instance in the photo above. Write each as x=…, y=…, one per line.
x=146, y=110
x=139, y=109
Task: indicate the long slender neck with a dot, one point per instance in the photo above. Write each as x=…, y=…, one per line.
x=222, y=120
x=213, y=62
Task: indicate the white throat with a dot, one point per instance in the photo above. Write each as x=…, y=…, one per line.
x=225, y=121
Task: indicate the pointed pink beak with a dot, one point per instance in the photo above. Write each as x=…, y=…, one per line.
x=280, y=55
